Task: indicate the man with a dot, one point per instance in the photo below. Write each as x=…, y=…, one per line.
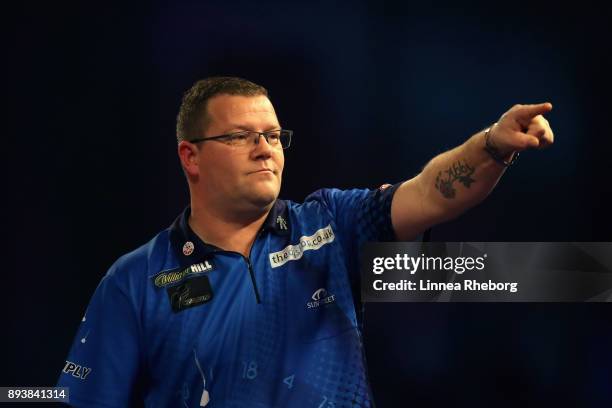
x=248, y=300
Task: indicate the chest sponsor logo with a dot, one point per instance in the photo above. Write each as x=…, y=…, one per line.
x=294, y=252
x=191, y=293
x=321, y=297
x=76, y=370
x=167, y=278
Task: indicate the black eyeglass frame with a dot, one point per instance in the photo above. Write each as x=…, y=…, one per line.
x=228, y=137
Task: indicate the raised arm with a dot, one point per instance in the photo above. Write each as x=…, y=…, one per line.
x=460, y=178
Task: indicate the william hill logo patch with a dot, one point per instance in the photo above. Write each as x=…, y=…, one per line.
x=171, y=277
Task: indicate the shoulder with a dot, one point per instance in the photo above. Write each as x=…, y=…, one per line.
x=332, y=198
x=143, y=261
x=327, y=195
x=337, y=201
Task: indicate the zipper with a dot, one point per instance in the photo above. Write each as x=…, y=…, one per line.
x=247, y=260
x=252, y=274
x=250, y=265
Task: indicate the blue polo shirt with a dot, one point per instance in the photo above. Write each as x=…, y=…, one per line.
x=179, y=322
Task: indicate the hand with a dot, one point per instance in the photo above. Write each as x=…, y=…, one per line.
x=522, y=127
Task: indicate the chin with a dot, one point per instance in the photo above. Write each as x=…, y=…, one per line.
x=263, y=197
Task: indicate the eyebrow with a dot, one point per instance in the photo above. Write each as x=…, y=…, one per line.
x=247, y=128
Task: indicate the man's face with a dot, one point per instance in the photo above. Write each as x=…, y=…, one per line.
x=241, y=177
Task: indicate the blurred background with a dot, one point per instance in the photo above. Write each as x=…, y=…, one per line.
x=372, y=90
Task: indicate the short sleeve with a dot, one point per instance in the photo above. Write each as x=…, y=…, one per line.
x=104, y=362
x=362, y=215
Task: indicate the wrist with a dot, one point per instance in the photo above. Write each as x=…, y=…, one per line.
x=505, y=158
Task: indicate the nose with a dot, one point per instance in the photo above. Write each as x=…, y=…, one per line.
x=262, y=147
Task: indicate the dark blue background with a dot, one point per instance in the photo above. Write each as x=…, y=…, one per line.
x=373, y=90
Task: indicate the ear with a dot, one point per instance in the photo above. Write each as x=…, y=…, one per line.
x=189, y=155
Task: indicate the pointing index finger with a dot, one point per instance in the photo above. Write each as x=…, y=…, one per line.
x=524, y=113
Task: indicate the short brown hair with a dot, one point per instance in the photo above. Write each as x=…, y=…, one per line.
x=193, y=117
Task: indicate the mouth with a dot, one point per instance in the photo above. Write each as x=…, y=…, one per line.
x=262, y=171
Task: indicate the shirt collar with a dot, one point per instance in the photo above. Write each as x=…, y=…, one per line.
x=190, y=248
x=278, y=219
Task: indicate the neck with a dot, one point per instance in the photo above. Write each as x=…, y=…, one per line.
x=228, y=231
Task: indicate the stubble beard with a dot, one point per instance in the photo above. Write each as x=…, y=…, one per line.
x=262, y=197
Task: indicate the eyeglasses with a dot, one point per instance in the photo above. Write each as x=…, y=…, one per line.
x=275, y=138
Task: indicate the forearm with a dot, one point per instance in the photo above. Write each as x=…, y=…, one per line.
x=462, y=177
x=458, y=179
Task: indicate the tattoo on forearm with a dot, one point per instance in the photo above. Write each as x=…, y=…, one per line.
x=459, y=171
